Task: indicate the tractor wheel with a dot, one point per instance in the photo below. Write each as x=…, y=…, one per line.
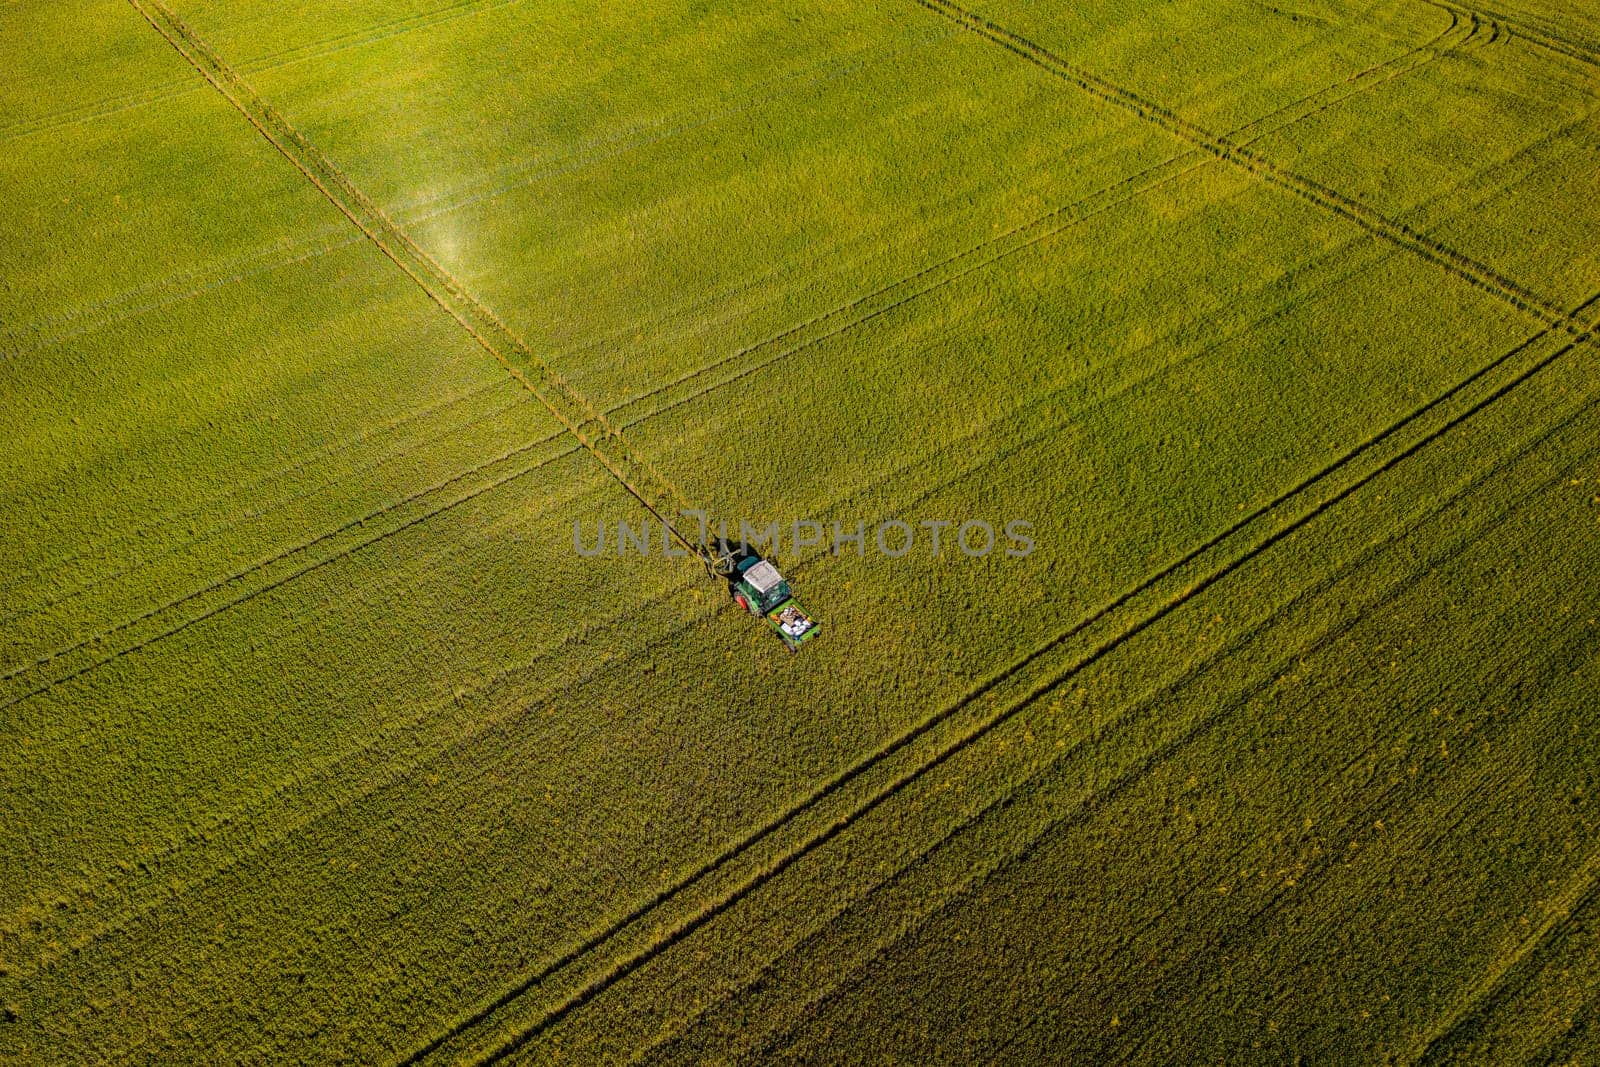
x=738, y=598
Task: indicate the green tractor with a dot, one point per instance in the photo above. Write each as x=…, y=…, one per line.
x=758, y=588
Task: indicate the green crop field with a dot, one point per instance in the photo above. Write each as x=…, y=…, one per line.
x=331, y=335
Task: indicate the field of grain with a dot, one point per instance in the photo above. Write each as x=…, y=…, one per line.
x=322, y=325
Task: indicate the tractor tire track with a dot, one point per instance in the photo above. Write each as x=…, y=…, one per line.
x=1578, y=418
x=1519, y=27
x=296, y=464
x=886, y=299
x=1328, y=852
x=383, y=31
x=1315, y=193
x=366, y=785
x=1435, y=48
x=1577, y=1037
x=99, y=637
x=1334, y=854
x=286, y=554
x=171, y=546
x=1482, y=185
x=495, y=183
x=99, y=109
x=1582, y=891
x=176, y=288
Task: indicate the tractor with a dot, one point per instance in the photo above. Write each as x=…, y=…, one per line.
x=757, y=587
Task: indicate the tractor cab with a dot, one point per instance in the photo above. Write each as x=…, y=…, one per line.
x=759, y=582
x=759, y=589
